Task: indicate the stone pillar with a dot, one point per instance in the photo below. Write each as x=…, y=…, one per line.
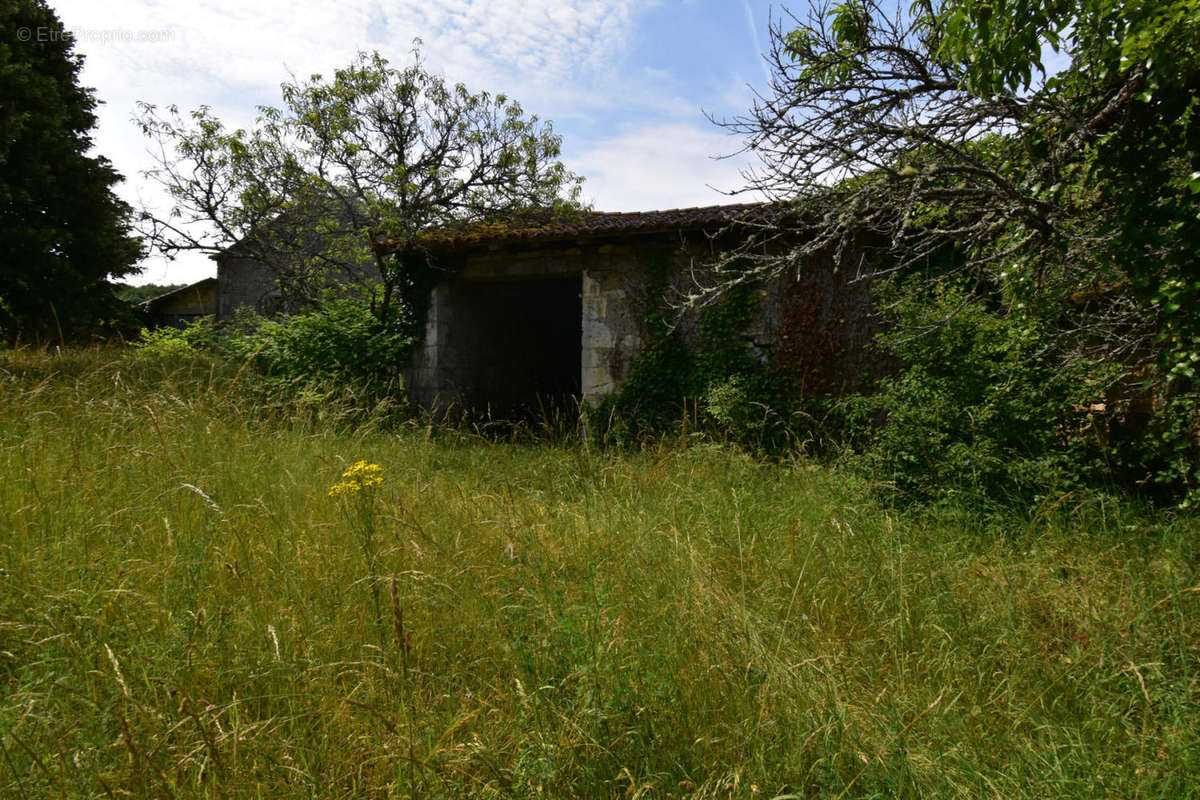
x=611, y=335
x=423, y=378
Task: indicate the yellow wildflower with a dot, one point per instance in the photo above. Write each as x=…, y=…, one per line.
x=361, y=475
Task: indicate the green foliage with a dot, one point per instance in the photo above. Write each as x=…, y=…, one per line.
x=195, y=340
x=1062, y=347
x=985, y=410
x=144, y=292
x=744, y=395
x=1002, y=43
x=1133, y=77
x=980, y=409
x=722, y=384
x=339, y=344
x=63, y=232
x=342, y=340
x=1135, y=187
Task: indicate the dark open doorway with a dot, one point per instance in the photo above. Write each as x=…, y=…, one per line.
x=514, y=347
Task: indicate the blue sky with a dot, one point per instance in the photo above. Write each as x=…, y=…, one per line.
x=625, y=82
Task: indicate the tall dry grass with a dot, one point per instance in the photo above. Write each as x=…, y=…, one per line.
x=186, y=612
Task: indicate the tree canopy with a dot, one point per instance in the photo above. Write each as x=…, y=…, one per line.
x=1036, y=162
x=63, y=233
x=941, y=122
x=147, y=291
x=343, y=182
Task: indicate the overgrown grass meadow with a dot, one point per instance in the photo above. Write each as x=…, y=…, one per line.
x=185, y=611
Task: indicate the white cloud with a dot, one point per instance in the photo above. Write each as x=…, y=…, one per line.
x=222, y=45
x=658, y=166
x=568, y=60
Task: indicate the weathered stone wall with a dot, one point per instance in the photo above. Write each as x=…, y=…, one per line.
x=815, y=322
x=425, y=380
x=614, y=315
x=612, y=333
x=243, y=282
x=824, y=326
x=609, y=321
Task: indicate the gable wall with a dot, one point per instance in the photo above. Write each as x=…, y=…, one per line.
x=242, y=282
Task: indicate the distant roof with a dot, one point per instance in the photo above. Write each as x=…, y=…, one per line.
x=590, y=224
x=191, y=287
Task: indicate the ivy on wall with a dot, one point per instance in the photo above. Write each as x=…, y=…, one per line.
x=719, y=384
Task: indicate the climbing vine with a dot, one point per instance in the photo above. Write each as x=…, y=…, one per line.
x=719, y=384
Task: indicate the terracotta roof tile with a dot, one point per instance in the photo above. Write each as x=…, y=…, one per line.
x=590, y=224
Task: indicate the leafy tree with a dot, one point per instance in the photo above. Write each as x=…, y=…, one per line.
x=940, y=123
x=935, y=140
x=63, y=233
x=345, y=182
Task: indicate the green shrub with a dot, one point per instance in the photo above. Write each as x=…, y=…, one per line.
x=342, y=340
x=192, y=340
x=340, y=346
x=723, y=386
x=982, y=407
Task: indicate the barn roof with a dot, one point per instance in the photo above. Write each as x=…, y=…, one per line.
x=588, y=225
x=198, y=286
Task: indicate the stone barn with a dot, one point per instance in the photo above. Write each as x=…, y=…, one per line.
x=537, y=313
